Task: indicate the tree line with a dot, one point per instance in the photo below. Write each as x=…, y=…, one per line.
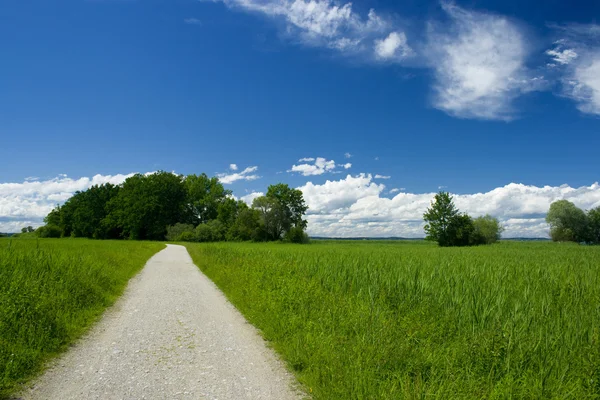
x=164, y=205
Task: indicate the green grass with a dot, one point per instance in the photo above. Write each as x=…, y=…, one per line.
x=51, y=291
x=405, y=320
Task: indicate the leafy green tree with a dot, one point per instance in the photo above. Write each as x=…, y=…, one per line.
x=274, y=218
x=246, y=225
x=291, y=201
x=567, y=222
x=487, y=230
x=439, y=217
x=460, y=231
x=204, y=195
x=174, y=232
x=296, y=235
x=48, y=231
x=211, y=231
x=594, y=225
x=146, y=205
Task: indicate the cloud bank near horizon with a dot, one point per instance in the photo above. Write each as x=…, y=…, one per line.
x=353, y=206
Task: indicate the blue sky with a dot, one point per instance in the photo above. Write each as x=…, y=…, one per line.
x=466, y=96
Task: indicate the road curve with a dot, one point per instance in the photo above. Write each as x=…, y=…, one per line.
x=172, y=335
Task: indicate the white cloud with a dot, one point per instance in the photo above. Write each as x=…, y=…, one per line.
x=393, y=46
x=479, y=64
x=246, y=175
x=578, y=56
x=319, y=167
x=394, y=190
x=192, y=21
x=27, y=203
x=382, y=176
x=346, y=166
x=563, y=57
x=233, y=167
x=249, y=198
x=332, y=25
x=354, y=206
x=347, y=155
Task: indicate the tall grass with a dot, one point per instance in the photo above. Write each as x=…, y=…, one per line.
x=52, y=290
x=413, y=321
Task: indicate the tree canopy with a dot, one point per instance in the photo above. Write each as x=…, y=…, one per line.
x=568, y=223
x=163, y=204
x=449, y=227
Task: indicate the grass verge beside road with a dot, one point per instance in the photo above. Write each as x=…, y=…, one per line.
x=52, y=290
x=410, y=320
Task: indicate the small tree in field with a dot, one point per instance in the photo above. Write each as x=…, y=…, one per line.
x=439, y=218
x=487, y=230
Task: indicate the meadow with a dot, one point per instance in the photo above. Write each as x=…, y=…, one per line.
x=410, y=320
x=52, y=290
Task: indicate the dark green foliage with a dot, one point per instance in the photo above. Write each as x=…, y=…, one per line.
x=568, y=223
x=51, y=291
x=594, y=225
x=296, y=235
x=83, y=214
x=175, y=231
x=211, y=231
x=291, y=201
x=204, y=195
x=147, y=204
x=246, y=226
x=487, y=230
x=439, y=217
x=460, y=232
x=193, y=207
x=48, y=231
x=450, y=228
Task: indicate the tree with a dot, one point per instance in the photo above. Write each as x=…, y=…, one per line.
x=204, y=195
x=174, y=232
x=291, y=201
x=594, y=225
x=568, y=223
x=438, y=218
x=246, y=225
x=274, y=219
x=487, y=230
x=146, y=205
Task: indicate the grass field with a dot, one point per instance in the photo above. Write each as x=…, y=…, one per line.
x=51, y=290
x=409, y=320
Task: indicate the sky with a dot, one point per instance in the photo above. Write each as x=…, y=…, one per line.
x=369, y=108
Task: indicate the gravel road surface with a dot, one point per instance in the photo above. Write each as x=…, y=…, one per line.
x=172, y=335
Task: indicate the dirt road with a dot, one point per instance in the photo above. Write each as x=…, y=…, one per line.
x=172, y=335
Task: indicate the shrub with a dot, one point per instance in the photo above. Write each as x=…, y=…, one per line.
x=174, y=232
x=48, y=231
x=296, y=235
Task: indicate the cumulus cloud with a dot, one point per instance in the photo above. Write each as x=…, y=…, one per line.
x=346, y=166
x=27, y=203
x=249, y=198
x=354, y=206
x=347, y=155
x=479, y=64
x=382, y=176
x=318, y=166
x=393, y=46
x=246, y=175
x=578, y=55
x=328, y=24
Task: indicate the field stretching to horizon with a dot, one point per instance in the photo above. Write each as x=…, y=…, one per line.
x=52, y=290
x=390, y=320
